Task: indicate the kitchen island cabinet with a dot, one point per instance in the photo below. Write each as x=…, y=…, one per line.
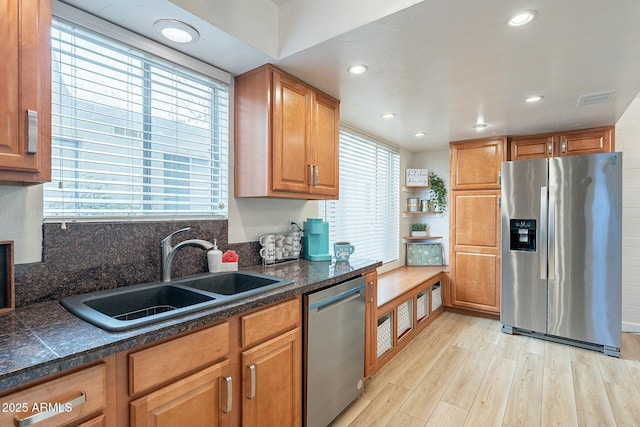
x=25, y=91
x=570, y=143
x=475, y=225
x=286, y=137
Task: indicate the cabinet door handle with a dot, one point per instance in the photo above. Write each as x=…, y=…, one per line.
x=371, y=292
x=41, y=416
x=550, y=146
x=252, y=390
x=229, y=382
x=32, y=132
x=316, y=180
x=563, y=146
x=310, y=174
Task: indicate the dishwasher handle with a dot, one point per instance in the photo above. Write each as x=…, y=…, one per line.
x=341, y=298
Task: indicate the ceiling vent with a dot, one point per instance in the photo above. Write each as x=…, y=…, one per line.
x=594, y=99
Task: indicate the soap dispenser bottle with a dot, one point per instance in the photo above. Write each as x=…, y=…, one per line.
x=214, y=258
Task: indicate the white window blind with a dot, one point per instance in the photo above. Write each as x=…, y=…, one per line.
x=133, y=135
x=367, y=214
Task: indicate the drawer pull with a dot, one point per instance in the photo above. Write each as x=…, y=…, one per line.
x=229, y=382
x=41, y=416
x=252, y=391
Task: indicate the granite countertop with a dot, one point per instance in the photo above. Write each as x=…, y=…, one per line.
x=44, y=338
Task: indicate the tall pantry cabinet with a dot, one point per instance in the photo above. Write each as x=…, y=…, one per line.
x=25, y=91
x=475, y=224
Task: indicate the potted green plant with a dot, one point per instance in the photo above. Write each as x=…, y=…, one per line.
x=419, y=230
x=438, y=193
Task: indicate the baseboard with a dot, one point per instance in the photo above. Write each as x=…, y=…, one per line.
x=631, y=327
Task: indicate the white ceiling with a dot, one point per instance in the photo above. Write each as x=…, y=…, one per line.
x=439, y=65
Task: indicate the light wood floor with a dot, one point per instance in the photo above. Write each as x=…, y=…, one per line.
x=463, y=371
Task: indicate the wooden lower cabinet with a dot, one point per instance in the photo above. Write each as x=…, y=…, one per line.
x=371, y=330
x=198, y=400
x=477, y=281
x=80, y=398
x=244, y=371
x=475, y=250
x=272, y=382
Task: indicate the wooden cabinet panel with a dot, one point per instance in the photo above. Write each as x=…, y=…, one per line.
x=476, y=164
x=371, y=331
x=326, y=120
x=269, y=322
x=99, y=421
x=291, y=135
x=586, y=142
x=475, y=222
x=475, y=260
x=570, y=143
x=157, y=365
x=531, y=147
x=272, y=382
x=25, y=86
x=87, y=388
x=477, y=275
x=193, y=401
x=476, y=219
x=286, y=137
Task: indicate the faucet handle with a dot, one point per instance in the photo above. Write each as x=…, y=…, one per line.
x=167, y=240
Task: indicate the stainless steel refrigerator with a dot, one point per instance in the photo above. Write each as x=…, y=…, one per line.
x=561, y=266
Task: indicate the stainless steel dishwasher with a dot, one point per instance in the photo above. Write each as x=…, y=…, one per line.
x=334, y=350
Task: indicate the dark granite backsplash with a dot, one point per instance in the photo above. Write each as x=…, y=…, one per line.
x=86, y=257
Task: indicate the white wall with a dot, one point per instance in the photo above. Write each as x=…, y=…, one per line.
x=628, y=141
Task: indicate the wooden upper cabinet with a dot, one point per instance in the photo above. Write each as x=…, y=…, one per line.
x=587, y=141
x=25, y=91
x=531, y=147
x=476, y=164
x=286, y=137
x=291, y=134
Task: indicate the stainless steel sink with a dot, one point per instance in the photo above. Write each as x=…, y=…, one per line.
x=137, y=305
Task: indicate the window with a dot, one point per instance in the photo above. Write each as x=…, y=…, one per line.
x=133, y=135
x=367, y=214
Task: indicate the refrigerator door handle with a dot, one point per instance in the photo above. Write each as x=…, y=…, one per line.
x=543, y=232
x=552, y=232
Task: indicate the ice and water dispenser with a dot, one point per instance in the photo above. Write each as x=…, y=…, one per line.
x=523, y=235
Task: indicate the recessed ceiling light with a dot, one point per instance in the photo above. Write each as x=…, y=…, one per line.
x=357, y=69
x=388, y=115
x=176, y=31
x=419, y=134
x=522, y=18
x=534, y=98
x=479, y=126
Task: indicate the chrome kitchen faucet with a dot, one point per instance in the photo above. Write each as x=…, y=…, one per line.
x=169, y=252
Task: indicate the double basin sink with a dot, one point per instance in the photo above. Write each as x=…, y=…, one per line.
x=133, y=306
